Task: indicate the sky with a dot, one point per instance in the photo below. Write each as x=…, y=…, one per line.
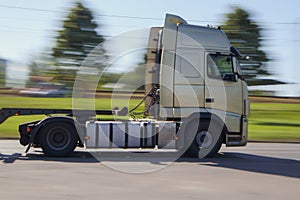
x=28, y=27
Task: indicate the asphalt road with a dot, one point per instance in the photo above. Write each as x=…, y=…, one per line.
x=258, y=171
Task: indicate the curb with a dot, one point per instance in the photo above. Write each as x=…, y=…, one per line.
x=249, y=141
x=267, y=141
x=8, y=138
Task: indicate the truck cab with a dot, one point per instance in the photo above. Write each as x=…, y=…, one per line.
x=198, y=74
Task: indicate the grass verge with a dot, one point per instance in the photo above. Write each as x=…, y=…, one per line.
x=274, y=122
x=9, y=129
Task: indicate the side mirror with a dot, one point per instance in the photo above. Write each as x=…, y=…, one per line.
x=235, y=52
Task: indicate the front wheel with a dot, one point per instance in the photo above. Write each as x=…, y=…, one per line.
x=58, y=139
x=207, y=140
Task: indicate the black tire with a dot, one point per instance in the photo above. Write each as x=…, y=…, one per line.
x=58, y=139
x=206, y=141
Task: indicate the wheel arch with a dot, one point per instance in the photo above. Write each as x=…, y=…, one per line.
x=36, y=133
x=199, y=116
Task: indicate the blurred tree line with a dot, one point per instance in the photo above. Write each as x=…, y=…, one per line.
x=78, y=37
x=245, y=34
x=74, y=42
x=2, y=78
x=2, y=73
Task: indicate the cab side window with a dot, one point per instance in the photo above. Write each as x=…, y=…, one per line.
x=220, y=67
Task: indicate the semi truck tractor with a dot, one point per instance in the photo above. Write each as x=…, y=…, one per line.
x=195, y=100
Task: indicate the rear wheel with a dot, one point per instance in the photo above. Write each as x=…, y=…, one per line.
x=207, y=140
x=58, y=139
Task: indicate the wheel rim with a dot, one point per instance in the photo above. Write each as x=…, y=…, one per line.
x=204, y=139
x=58, y=138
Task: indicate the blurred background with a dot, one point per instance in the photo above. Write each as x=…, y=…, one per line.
x=43, y=45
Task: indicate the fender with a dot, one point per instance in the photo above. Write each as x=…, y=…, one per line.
x=79, y=128
x=199, y=116
x=203, y=116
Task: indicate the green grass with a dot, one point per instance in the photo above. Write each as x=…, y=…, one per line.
x=268, y=121
x=274, y=121
x=9, y=129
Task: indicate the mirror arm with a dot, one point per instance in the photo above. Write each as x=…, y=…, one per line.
x=240, y=76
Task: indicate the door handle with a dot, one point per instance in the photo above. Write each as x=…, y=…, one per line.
x=209, y=100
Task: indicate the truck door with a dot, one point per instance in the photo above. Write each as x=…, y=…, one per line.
x=223, y=90
x=189, y=71
x=188, y=79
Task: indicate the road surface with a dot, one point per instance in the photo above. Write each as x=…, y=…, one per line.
x=258, y=171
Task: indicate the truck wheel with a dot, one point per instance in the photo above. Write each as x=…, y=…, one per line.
x=207, y=140
x=58, y=139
